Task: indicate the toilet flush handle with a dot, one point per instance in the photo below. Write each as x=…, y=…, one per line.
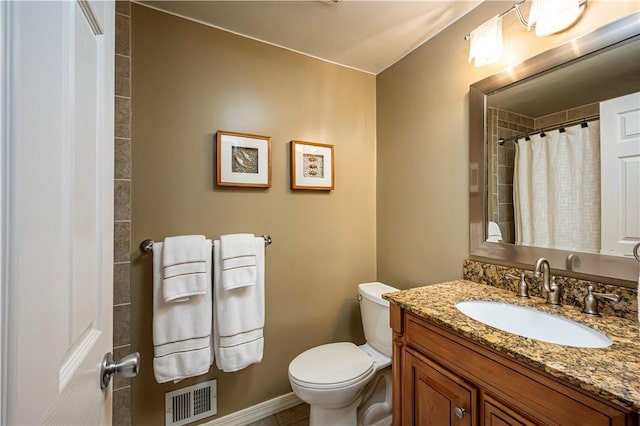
x=359, y=297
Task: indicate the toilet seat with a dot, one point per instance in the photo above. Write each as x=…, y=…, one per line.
x=331, y=366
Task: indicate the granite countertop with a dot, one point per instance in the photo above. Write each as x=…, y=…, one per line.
x=612, y=373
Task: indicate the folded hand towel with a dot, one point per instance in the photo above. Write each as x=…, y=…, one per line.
x=181, y=331
x=184, y=267
x=238, y=254
x=238, y=316
x=236, y=245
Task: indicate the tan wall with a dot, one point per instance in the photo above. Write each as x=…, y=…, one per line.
x=422, y=132
x=190, y=80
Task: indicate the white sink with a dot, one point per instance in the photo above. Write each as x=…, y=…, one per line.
x=535, y=324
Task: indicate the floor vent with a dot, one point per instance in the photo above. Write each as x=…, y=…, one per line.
x=189, y=404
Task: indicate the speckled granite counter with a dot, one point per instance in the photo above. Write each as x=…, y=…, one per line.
x=612, y=372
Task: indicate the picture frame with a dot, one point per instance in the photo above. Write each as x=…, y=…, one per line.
x=243, y=160
x=312, y=166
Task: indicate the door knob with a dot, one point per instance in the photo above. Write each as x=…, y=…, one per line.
x=128, y=366
x=459, y=412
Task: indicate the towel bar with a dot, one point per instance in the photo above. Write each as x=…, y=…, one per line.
x=147, y=245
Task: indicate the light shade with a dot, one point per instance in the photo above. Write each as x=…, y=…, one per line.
x=486, y=42
x=551, y=16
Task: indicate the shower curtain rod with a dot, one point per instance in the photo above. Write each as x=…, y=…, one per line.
x=582, y=121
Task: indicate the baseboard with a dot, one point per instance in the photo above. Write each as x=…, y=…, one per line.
x=257, y=412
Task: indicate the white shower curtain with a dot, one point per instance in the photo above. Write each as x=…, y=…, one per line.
x=556, y=187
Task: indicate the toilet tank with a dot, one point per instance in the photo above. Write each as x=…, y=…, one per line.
x=375, y=315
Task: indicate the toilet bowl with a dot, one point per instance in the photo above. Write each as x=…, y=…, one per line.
x=345, y=384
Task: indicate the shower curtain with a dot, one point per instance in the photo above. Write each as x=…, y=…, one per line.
x=556, y=187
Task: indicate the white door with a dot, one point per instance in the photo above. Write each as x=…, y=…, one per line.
x=57, y=209
x=620, y=174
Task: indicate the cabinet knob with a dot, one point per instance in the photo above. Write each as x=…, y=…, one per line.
x=459, y=412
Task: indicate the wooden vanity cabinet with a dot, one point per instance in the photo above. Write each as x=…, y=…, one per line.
x=437, y=396
x=442, y=378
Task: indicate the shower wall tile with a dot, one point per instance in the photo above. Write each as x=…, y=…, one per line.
x=123, y=7
x=122, y=158
x=122, y=200
x=123, y=117
x=122, y=211
x=507, y=126
x=123, y=42
x=583, y=111
x=550, y=120
x=560, y=117
x=121, y=325
x=122, y=407
x=123, y=73
x=122, y=241
x=121, y=283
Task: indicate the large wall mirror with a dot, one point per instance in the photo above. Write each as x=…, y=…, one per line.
x=564, y=102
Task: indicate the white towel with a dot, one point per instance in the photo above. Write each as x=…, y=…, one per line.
x=238, y=254
x=184, y=267
x=238, y=316
x=181, y=331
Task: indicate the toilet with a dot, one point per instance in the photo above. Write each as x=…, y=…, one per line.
x=345, y=384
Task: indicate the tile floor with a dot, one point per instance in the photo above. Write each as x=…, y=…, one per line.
x=295, y=416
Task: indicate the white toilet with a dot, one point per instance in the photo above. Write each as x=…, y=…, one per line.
x=345, y=384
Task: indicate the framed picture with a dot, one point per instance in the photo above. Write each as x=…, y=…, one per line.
x=312, y=166
x=243, y=160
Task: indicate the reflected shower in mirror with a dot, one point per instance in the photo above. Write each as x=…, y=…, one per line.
x=562, y=156
x=544, y=156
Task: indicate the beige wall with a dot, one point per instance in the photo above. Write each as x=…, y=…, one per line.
x=422, y=132
x=190, y=80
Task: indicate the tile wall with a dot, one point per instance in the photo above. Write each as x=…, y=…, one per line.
x=504, y=124
x=122, y=212
x=558, y=118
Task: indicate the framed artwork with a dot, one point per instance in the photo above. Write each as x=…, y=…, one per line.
x=312, y=166
x=243, y=160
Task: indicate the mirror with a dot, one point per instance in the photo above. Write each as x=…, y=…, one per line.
x=604, y=54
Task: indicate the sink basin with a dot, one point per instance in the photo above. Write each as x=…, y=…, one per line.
x=532, y=323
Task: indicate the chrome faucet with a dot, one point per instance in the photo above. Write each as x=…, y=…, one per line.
x=548, y=282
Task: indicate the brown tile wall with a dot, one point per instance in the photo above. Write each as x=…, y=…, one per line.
x=504, y=124
x=560, y=117
x=122, y=212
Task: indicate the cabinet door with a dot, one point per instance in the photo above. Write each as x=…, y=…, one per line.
x=497, y=414
x=432, y=395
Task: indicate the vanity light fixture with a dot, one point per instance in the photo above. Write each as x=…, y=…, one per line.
x=547, y=16
x=552, y=16
x=486, y=42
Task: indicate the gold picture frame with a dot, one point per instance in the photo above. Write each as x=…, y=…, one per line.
x=312, y=166
x=243, y=159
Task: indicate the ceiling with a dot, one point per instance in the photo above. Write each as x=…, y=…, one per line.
x=604, y=75
x=364, y=35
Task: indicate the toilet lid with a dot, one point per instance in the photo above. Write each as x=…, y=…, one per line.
x=331, y=365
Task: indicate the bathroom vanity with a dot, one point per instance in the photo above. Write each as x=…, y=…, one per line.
x=451, y=369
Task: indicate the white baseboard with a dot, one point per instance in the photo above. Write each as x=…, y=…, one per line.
x=257, y=412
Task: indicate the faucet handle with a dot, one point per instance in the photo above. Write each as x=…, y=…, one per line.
x=523, y=287
x=591, y=301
